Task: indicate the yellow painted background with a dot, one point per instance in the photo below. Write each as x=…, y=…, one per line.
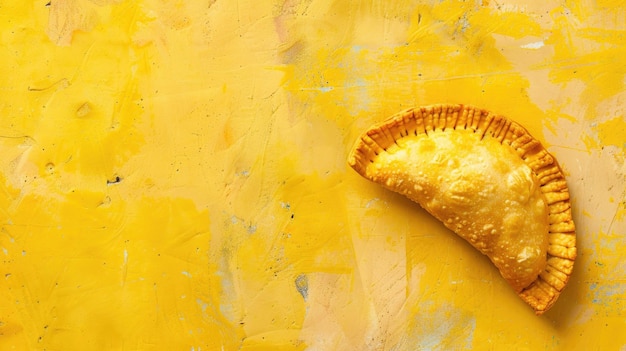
x=173, y=173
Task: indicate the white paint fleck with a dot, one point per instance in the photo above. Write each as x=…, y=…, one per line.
x=203, y=305
x=124, y=267
x=185, y=273
x=371, y=202
x=534, y=45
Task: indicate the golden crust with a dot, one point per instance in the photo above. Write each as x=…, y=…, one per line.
x=408, y=130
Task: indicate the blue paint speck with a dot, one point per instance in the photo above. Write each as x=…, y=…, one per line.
x=356, y=48
x=302, y=285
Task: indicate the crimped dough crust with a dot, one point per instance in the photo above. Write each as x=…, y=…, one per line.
x=486, y=178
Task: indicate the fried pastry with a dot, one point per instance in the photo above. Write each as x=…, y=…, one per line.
x=488, y=180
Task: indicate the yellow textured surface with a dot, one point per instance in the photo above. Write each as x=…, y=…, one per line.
x=173, y=173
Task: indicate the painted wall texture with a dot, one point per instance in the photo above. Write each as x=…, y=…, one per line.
x=173, y=173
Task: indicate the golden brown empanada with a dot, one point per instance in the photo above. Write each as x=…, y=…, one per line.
x=487, y=179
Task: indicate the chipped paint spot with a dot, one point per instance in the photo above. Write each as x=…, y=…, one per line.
x=251, y=229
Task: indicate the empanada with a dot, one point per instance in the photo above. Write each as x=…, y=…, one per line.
x=488, y=180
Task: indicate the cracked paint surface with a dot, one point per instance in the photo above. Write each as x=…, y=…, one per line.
x=173, y=174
